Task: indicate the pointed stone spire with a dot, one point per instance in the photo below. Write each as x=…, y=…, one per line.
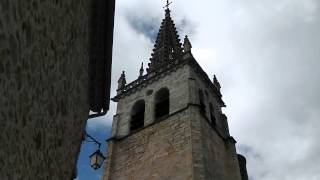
x=187, y=45
x=167, y=48
x=216, y=82
x=141, y=71
x=121, y=83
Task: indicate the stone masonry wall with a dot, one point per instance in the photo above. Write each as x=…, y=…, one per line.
x=178, y=88
x=218, y=157
x=213, y=156
x=43, y=77
x=158, y=152
x=196, y=83
x=183, y=146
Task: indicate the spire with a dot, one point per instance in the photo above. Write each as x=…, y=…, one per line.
x=186, y=45
x=121, y=82
x=141, y=71
x=167, y=48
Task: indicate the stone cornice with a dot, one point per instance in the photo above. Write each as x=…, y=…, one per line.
x=149, y=78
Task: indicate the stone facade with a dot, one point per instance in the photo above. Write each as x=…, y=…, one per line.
x=181, y=146
x=161, y=151
x=44, y=87
x=191, y=141
x=147, y=93
x=214, y=150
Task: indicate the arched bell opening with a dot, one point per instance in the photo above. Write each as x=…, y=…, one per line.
x=162, y=103
x=137, y=115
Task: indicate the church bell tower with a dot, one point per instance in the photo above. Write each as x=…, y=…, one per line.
x=169, y=124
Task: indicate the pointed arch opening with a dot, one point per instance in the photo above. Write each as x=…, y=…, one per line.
x=137, y=115
x=202, y=104
x=162, y=103
x=212, y=117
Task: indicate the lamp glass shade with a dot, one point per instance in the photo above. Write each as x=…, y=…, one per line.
x=96, y=159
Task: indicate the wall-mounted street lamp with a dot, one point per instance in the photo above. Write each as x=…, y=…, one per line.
x=96, y=158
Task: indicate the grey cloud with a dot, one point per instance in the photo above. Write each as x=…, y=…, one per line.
x=149, y=25
x=186, y=27
x=267, y=58
x=248, y=151
x=281, y=63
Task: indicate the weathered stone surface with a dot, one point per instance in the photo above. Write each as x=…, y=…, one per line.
x=43, y=77
x=178, y=86
x=158, y=152
x=190, y=139
x=182, y=146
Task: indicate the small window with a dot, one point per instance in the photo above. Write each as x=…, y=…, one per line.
x=162, y=103
x=137, y=115
x=202, y=104
x=213, y=118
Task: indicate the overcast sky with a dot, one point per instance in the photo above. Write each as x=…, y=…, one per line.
x=266, y=55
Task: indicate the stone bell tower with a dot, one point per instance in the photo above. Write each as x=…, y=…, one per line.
x=169, y=124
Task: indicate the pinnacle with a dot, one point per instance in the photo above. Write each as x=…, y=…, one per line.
x=186, y=44
x=141, y=71
x=216, y=82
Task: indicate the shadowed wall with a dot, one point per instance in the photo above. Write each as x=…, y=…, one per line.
x=44, y=58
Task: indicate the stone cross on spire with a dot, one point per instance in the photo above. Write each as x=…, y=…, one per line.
x=167, y=5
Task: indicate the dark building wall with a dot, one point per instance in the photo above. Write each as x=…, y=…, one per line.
x=44, y=86
x=100, y=53
x=243, y=167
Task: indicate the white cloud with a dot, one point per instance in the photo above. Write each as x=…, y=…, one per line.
x=266, y=55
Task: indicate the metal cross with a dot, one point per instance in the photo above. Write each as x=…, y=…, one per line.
x=167, y=5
